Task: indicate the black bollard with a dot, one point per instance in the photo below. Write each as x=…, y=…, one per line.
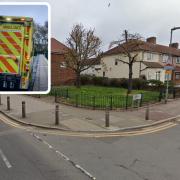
x=147, y=113
x=57, y=115
x=23, y=109
x=107, y=117
x=8, y=103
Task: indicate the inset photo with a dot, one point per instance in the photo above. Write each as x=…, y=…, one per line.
x=24, y=48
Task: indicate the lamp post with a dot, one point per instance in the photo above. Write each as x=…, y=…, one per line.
x=173, y=29
x=167, y=86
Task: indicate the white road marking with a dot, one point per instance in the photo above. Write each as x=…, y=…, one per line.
x=50, y=147
x=4, y=158
x=64, y=157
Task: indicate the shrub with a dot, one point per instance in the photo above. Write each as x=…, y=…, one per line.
x=124, y=83
x=155, y=84
x=170, y=83
x=97, y=80
x=113, y=82
x=139, y=83
x=86, y=80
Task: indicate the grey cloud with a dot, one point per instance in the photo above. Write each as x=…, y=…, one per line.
x=147, y=17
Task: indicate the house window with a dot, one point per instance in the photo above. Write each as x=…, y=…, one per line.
x=116, y=62
x=165, y=58
x=62, y=65
x=178, y=60
x=104, y=74
x=158, y=75
x=149, y=56
x=177, y=75
x=149, y=76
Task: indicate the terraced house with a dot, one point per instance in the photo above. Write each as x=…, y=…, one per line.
x=150, y=62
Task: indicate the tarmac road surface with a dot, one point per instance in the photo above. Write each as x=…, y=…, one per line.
x=34, y=155
x=23, y=157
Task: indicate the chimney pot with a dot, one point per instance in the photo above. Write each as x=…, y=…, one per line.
x=151, y=40
x=174, y=45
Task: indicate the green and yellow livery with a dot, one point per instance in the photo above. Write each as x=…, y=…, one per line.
x=16, y=52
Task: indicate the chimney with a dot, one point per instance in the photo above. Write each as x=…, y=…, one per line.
x=151, y=40
x=174, y=45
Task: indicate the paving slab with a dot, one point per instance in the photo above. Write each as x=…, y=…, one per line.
x=78, y=125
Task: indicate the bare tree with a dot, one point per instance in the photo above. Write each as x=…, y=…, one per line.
x=83, y=45
x=129, y=46
x=41, y=37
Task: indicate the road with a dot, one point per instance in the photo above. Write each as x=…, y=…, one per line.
x=35, y=155
x=41, y=75
x=23, y=157
x=145, y=157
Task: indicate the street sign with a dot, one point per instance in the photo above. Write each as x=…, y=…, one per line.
x=137, y=97
x=168, y=72
x=168, y=67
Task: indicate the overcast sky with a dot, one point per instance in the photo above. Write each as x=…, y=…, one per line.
x=147, y=17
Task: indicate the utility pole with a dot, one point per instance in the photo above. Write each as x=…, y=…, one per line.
x=170, y=56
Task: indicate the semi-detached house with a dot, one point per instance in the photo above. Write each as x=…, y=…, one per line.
x=150, y=62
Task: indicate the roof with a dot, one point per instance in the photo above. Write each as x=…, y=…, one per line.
x=152, y=64
x=58, y=47
x=146, y=46
x=92, y=61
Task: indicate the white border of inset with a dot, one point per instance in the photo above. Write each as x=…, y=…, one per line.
x=49, y=47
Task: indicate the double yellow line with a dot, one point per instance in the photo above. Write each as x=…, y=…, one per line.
x=128, y=133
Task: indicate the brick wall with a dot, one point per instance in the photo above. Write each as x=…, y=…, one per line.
x=60, y=76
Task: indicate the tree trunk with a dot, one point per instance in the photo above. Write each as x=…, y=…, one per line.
x=130, y=78
x=78, y=80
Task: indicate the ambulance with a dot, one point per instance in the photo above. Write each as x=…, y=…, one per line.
x=16, y=52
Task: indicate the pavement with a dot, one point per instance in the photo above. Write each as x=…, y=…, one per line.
x=41, y=112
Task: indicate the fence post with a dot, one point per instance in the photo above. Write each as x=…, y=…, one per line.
x=94, y=102
x=23, y=109
x=160, y=95
x=174, y=94
x=126, y=101
x=76, y=100
x=67, y=93
x=55, y=97
x=141, y=100
x=111, y=98
x=57, y=115
x=147, y=112
x=8, y=103
x=107, y=117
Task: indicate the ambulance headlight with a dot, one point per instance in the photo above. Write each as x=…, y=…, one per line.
x=8, y=19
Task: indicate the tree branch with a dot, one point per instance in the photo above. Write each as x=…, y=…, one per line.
x=122, y=61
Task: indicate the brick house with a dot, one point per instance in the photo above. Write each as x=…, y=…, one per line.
x=60, y=75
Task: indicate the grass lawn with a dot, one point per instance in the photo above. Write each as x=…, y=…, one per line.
x=98, y=96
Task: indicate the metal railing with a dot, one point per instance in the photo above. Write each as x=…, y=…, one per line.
x=103, y=101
